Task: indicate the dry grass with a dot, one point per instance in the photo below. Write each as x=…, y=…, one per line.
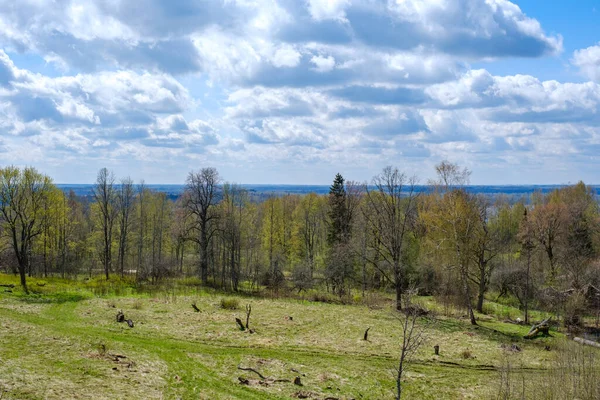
x=49, y=349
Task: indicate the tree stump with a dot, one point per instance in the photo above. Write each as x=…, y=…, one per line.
x=120, y=316
x=436, y=349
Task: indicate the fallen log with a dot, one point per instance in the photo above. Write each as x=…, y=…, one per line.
x=252, y=370
x=586, y=342
x=195, y=307
x=10, y=285
x=541, y=328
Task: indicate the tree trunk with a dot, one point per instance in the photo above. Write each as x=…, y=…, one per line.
x=482, y=288
x=468, y=297
x=398, y=284
x=23, y=278
x=203, y=254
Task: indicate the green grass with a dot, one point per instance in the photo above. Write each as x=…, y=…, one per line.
x=61, y=343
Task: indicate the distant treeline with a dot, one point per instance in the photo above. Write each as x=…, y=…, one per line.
x=511, y=193
x=448, y=239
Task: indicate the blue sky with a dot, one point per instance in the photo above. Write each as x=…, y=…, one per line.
x=293, y=91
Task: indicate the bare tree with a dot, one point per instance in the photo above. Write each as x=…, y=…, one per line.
x=486, y=248
x=412, y=338
x=141, y=199
x=125, y=198
x=105, y=196
x=201, y=189
x=391, y=213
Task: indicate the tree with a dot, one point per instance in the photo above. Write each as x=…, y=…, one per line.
x=412, y=338
x=23, y=197
x=486, y=248
x=548, y=222
x=391, y=215
x=527, y=247
x=339, y=217
x=105, y=196
x=273, y=239
x=201, y=196
x=232, y=206
x=125, y=201
x=309, y=225
x=452, y=218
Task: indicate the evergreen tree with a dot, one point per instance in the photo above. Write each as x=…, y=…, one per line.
x=339, y=227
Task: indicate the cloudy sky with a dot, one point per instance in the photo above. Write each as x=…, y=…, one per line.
x=293, y=91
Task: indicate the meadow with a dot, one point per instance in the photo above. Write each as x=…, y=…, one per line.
x=62, y=341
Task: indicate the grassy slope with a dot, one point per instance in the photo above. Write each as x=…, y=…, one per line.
x=63, y=346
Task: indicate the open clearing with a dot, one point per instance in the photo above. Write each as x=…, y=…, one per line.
x=70, y=346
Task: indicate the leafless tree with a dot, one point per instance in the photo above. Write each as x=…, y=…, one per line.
x=125, y=198
x=412, y=337
x=105, y=196
x=391, y=213
x=202, y=192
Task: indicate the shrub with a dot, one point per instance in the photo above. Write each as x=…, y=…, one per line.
x=230, y=304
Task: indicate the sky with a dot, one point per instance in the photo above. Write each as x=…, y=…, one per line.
x=294, y=91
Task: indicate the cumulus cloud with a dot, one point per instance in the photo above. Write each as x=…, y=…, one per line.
x=588, y=61
x=323, y=64
x=328, y=9
x=253, y=85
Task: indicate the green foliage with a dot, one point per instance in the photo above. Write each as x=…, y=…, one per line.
x=339, y=219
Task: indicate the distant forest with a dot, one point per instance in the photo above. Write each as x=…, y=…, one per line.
x=444, y=239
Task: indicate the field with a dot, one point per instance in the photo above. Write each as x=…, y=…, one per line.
x=62, y=343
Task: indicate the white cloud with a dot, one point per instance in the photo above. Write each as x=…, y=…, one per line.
x=317, y=84
x=328, y=9
x=588, y=61
x=323, y=64
x=286, y=56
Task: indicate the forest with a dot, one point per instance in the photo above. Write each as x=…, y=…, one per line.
x=541, y=252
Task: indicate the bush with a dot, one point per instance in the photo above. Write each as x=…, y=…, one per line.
x=230, y=304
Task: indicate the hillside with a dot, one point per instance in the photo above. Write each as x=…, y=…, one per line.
x=67, y=344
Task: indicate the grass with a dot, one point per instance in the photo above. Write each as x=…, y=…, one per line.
x=60, y=342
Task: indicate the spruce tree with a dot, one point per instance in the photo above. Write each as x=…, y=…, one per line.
x=339, y=228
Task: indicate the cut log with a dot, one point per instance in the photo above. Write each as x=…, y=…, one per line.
x=586, y=342
x=248, y=311
x=541, y=328
x=241, y=324
x=243, y=381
